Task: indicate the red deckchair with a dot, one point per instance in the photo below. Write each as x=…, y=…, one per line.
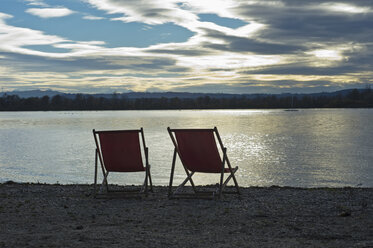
x=198, y=152
x=120, y=151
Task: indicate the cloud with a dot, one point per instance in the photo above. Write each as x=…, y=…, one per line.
x=40, y=3
x=149, y=12
x=90, y=17
x=50, y=12
x=298, y=21
x=285, y=44
x=345, y=8
x=240, y=44
x=13, y=39
x=184, y=52
x=4, y=16
x=120, y=64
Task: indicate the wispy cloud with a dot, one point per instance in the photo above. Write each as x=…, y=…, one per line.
x=50, y=12
x=13, y=39
x=149, y=12
x=345, y=8
x=40, y=3
x=90, y=17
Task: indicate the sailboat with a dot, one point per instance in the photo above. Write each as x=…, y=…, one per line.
x=292, y=105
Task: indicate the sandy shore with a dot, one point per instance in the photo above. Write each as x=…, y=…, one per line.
x=39, y=215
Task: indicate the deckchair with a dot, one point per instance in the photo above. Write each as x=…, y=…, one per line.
x=120, y=151
x=198, y=152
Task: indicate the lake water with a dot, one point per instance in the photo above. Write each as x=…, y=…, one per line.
x=306, y=148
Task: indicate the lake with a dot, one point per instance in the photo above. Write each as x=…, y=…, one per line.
x=305, y=148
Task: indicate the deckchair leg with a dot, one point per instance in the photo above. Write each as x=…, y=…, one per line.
x=233, y=171
x=221, y=185
x=172, y=174
x=150, y=180
x=222, y=172
x=147, y=181
x=105, y=182
x=95, y=179
x=145, y=185
x=189, y=178
x=234, y=179
x=235, y=183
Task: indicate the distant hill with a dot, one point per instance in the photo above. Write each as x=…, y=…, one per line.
x=180, y=95
x=32, y=93
x=129, y=95
x=55, y=101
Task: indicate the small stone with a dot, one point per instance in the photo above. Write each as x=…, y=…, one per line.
x=80, y=227
x=345, y=214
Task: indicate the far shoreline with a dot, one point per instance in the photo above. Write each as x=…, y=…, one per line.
x=196, y=109
x=348, y=98
x=9, y=182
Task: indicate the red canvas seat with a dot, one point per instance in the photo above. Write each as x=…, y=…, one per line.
x=120, y=151
x=198, y=152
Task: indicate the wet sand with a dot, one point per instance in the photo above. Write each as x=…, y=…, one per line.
x=41, y=215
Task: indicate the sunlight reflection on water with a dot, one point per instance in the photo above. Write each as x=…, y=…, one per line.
x=307, y=148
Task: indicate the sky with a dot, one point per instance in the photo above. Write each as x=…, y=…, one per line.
x=210, y=46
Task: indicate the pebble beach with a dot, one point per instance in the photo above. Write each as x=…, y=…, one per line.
x=45, y=215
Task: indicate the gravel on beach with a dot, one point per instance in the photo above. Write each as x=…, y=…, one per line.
x=45, y=215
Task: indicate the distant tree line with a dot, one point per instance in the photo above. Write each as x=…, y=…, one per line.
x=354, y=99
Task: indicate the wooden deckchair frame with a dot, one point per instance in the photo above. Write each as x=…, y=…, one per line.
x=201, y=194
x=146, y=186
